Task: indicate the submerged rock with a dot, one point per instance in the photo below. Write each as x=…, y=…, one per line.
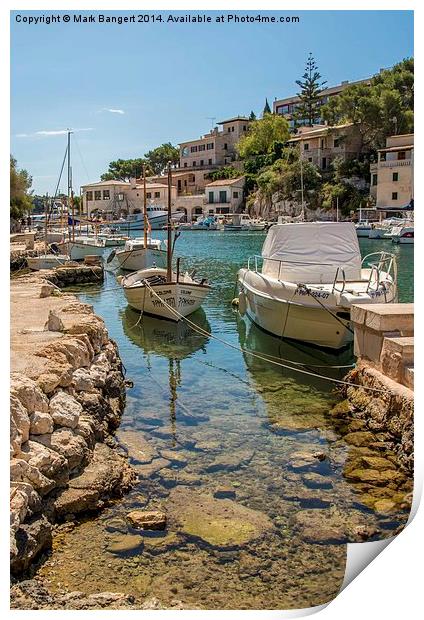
x=125, y=543
x=137, y=446
x=333, y=526
x=231, y=461
x=147, y=519
x=220, y=523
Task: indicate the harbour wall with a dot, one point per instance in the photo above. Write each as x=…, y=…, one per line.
x=381, y=399
x=67, y=397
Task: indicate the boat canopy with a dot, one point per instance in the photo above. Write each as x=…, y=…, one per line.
x=311, y=252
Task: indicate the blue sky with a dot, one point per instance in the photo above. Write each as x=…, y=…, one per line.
x=163, y=80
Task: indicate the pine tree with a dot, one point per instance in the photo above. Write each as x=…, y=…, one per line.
x=252, y=116
x=267, y=109
x=311, y=85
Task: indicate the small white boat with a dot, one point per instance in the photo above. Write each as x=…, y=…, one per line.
x=145, y=290
x=81, y=247
x=243, y=221
x=134, y=256
x=47, y=261
x=363, y=228
x=311, y=275
x=157, y=217
x=403, y=234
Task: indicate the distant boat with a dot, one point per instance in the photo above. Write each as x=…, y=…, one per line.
x=157, y=219
x=403, y=235
x=311, y=275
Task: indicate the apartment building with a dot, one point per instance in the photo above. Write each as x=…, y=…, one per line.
x=115, y=198
x=224, y=196
x=392, y=176
x=215, y=149
x=287, y=107
x=321, y=145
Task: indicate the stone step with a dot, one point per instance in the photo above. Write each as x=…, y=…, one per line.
x=409, y=377
x=385, y=317
x=403, y=345
x=396, y=355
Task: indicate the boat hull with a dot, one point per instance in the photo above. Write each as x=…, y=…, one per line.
x=79, y=250
x=49, y=261
x=135, y=260
x=283, y=309
x=185, y=298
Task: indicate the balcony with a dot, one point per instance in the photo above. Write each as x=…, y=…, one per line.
x=394, y=163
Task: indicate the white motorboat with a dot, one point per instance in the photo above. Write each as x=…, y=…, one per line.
x=145, y=290
x=80, y=247
x=135, y=255
x=403, y=234
x=47, y=261
x=243, y=221
x=157, y=217
x=363, y=228
x=311, y=275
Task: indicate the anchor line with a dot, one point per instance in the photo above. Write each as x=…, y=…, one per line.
x=203, y=332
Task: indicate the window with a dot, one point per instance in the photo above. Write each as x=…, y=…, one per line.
x=185, y=164
x=322, y=143
x=210, y=198
x=157, y=194
x=184, y=151
x=223, y=196
x=401, y=155
x=194, y=164
x=235, y=194
x=395, y=176
x=209, y=146
x=394, y=195
x=210, y=162
x=106, y=194
x=202, y=162
x=202, y=147
x=324, y=163
x=193, y=149
x=374, y=179
x=306, y=147
x=244, y=127
x=382, y=156
x=232, y=128
x=191, y=178
x=97, y=195
x=310, y=159
x=89, y=195
x=336, y=142
x=179, y=185
x=229, y=129
x=148, y=194
x=225, y=146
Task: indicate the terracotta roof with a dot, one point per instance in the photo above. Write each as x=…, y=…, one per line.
x=322, y=131
x=100, y=183
x=232, y=119
x=222, y=182
x=151, y=185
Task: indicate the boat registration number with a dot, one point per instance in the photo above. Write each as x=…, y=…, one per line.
x=319, y=294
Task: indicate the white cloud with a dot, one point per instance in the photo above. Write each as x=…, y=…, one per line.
x=46, y=132
x=113, y=110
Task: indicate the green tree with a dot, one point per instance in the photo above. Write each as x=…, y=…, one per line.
x=20, y=197
x=267, y=109
x=262, y=135
x=159, y=157
x=227, y=172
x=252, y=116
x=383, y=108
x=125, y=169
x=310, y=88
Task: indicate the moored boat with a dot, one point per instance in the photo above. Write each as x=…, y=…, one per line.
x=403, y=234
x=135, y=255
x=47, y=261
x=311, y=275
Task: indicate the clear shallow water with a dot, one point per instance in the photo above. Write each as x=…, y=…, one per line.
x=236, y=424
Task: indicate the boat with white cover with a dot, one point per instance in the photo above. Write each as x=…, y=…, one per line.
x=311, y=275
x=135, y=256
x=80, y=247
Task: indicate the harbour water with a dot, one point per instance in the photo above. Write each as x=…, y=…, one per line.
x=217, y=423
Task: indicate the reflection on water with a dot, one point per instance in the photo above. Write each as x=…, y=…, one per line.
x=243, y=456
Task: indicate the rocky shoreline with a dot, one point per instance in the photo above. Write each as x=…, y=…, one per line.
x=67, y=397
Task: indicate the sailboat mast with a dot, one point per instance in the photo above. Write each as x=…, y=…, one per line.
x=145, y=206
x=46, y=210
x=169, y=247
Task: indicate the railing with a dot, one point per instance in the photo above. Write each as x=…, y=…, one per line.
x=335, y=280
x=386, y=263
x=393, y=163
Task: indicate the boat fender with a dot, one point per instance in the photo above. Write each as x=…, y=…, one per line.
x=111, y=256
x=119, y=279
x=242, y=306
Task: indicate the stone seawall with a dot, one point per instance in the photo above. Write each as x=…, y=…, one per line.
x=67, y=397
x=387, y=412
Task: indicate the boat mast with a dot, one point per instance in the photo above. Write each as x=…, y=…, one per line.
x=70, y=192
x=46, y=210
x=145, y=206
x=337, y=209
x=169, y=247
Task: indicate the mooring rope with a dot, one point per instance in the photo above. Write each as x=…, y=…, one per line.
x=203, y=332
